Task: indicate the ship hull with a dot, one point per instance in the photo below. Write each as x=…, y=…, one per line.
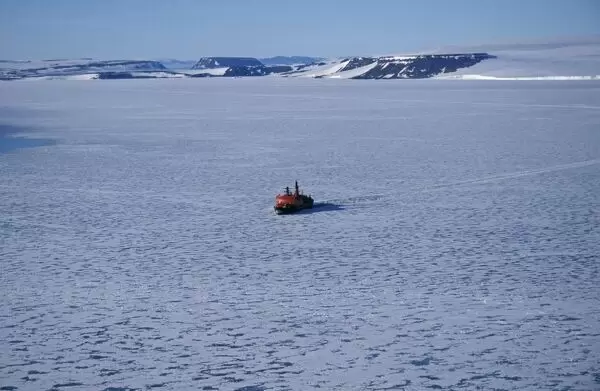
x=289, y=209
x=286, y=211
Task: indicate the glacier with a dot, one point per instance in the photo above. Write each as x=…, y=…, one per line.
x=567, y=59
x=455, y=244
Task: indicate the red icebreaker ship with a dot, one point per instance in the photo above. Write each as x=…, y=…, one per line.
x=292, y=202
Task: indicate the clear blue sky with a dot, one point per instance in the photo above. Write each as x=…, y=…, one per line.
x=188, y=29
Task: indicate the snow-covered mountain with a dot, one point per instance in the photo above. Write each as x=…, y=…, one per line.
x=246, y=66
x=575, y=59
x=392, y=67
x=218, y=62
x=386, y=67
x=78, y=68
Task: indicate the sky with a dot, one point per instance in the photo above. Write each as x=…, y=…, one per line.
x=189, y=29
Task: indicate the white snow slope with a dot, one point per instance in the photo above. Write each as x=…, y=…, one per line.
x=330, y=68
x=554, y=60
x=455, y=244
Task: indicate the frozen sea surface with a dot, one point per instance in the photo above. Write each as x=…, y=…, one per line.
x=456, y=246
